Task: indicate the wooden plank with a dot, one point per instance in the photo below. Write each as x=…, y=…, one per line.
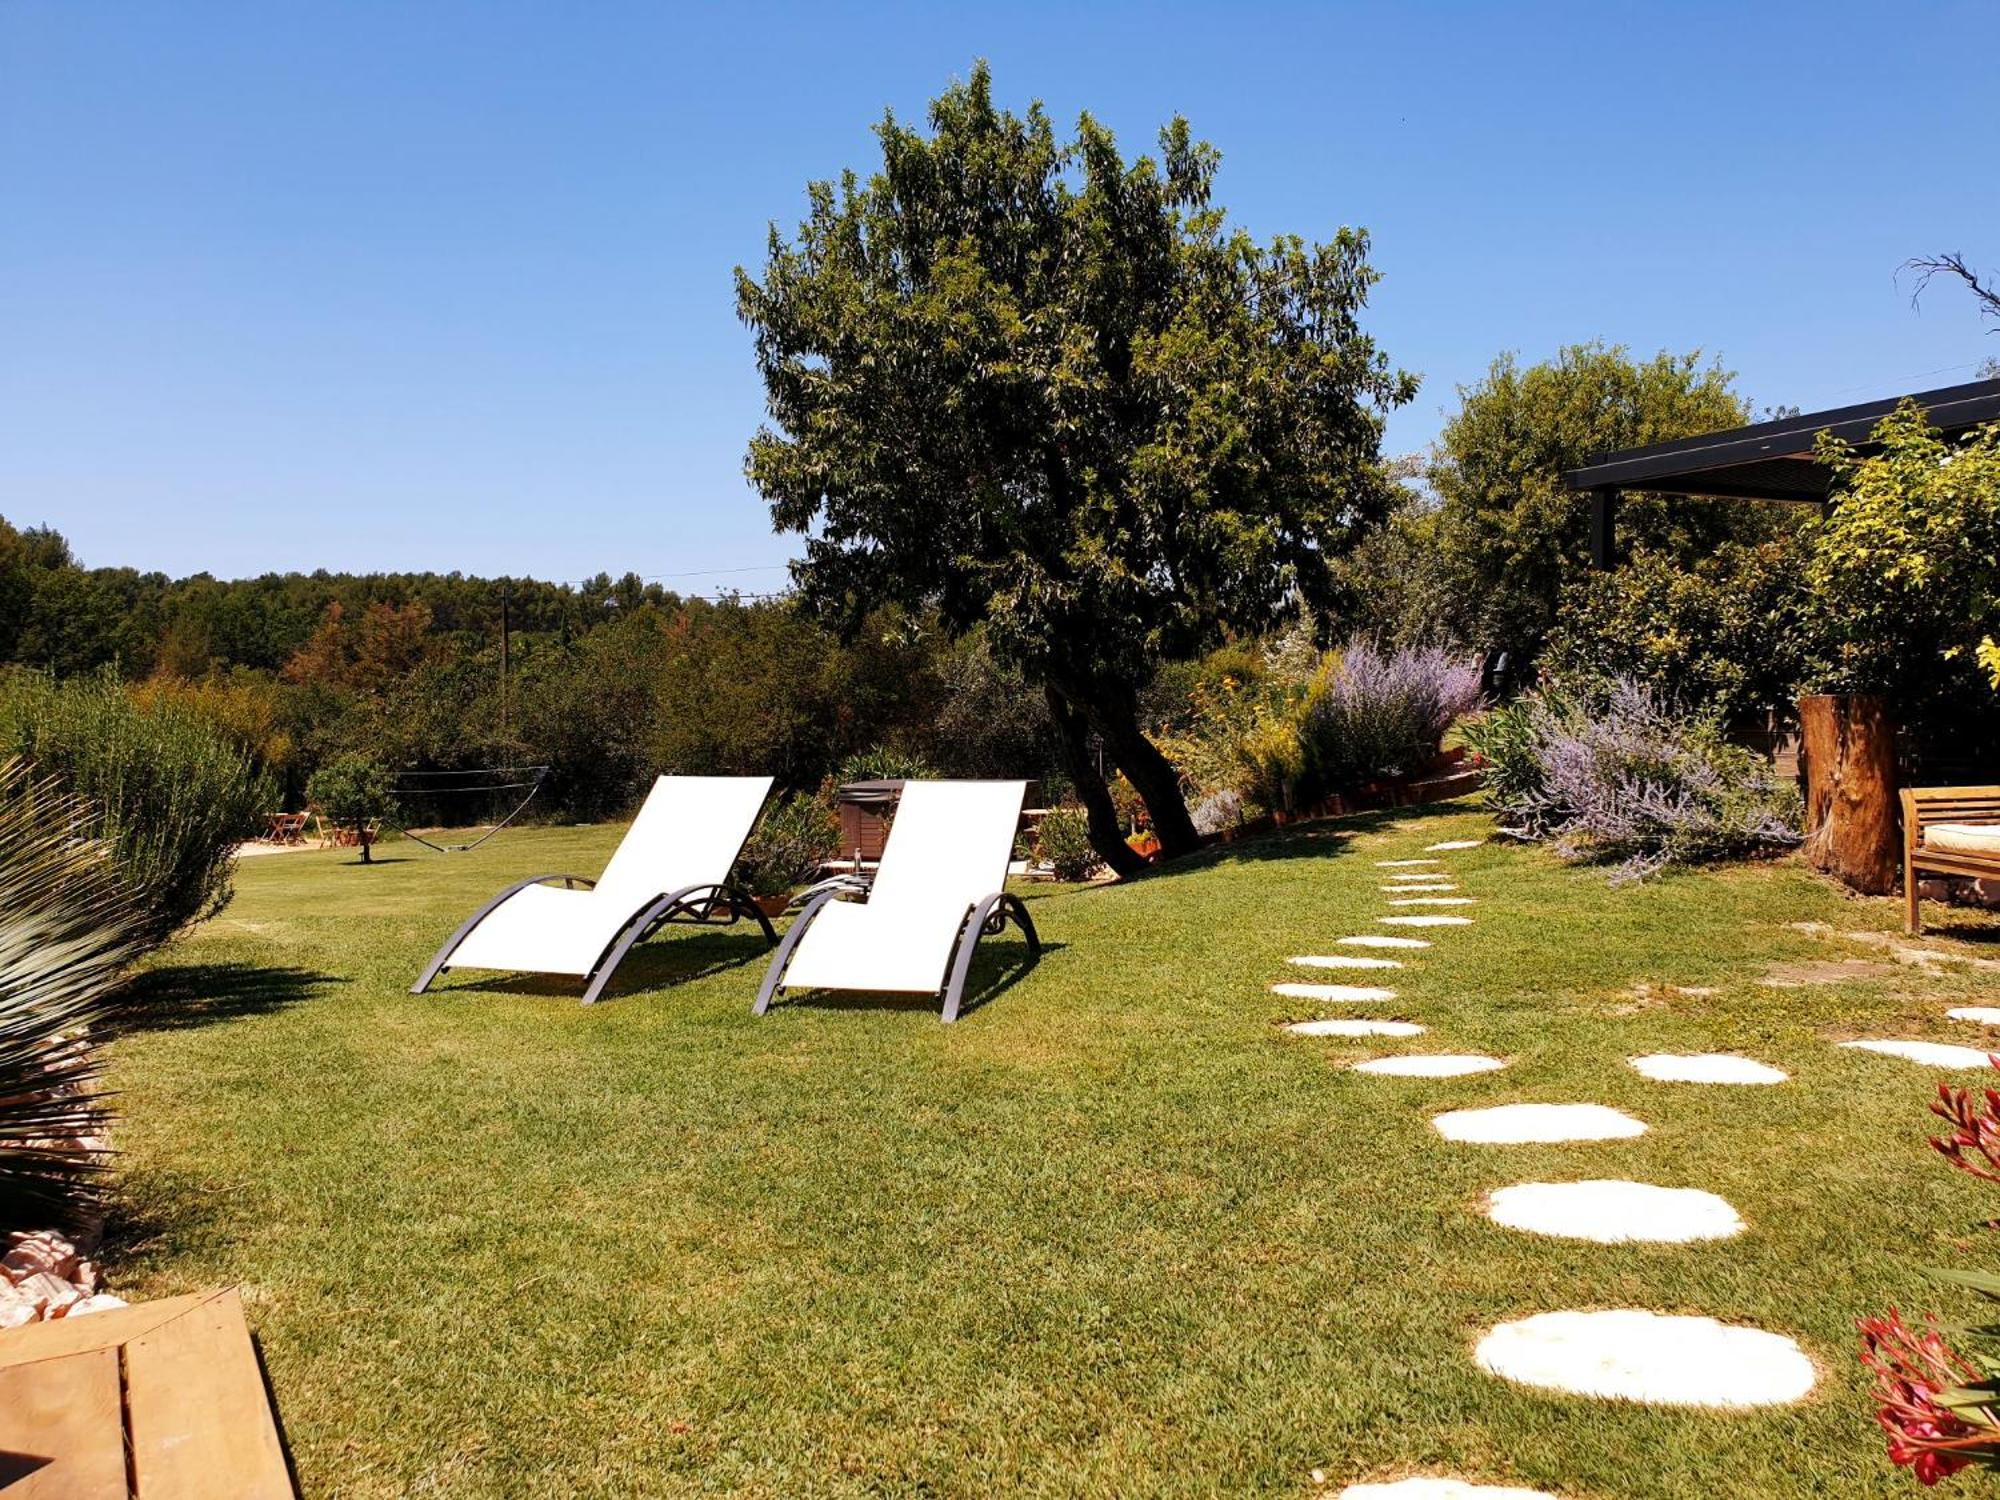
x=101, y=1330
x=199, y=1415
x=62, y=1429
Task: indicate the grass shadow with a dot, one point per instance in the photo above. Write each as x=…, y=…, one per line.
x=650, y=966
x=995, y=970
x=1324, y=838
x=177, y=996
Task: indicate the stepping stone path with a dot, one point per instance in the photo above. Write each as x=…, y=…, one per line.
x=1355, y=1028
x=1706, y=1067
x=1372, y=940
x=1428, y=1488
x=1343, y=961
x=1633, y=1355
x=1435, y=901
x=1930, y=1054
x=1537, y=1124
x=1426, y=921
x=1984, y=1015
x=1431, y=1065
x=1614, y=1212
x=1456, y=844
x=1348, y=992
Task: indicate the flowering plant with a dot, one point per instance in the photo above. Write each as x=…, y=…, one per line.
x=1940, y=1406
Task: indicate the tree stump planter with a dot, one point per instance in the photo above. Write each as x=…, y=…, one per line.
x=1847, y=745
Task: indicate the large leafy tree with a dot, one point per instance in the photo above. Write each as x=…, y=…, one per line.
x=1509, y=536
x=1031, y=384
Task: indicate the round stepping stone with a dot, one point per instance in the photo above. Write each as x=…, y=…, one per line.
x=1431, y=1065
x=1633, y=1355
x=1355, y=1028
x=1390, y=864
x=1930, y=1054
x=1374, y=940
x=1434, y=1488
x=1332, y=991
x=1435, y=901
x=1426, y=921
x=1343, y=961
x=1706, y=1067
x=1985, y=1015
x=1456, y=844
x=1614, y=1213
x=1537, y=1124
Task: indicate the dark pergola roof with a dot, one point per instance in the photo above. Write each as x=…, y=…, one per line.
x=1774, y=460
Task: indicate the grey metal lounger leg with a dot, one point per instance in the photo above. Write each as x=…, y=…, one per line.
x=657, y=914
x=989, y=916
x=774, y=977
x=443, y=955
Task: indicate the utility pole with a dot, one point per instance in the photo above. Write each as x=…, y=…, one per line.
x=506, y=590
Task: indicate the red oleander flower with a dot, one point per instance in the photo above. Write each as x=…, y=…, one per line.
x=1910, y=1369
x=1975, y=1122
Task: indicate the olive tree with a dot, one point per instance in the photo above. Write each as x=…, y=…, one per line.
x=1032, y=385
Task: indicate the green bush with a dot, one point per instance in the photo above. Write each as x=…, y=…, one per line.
x=1063, y=844
x=883, y=763
x=353, y=791
x=796, y=835
x=169, y=792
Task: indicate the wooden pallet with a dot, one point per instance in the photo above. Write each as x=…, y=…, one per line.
x=162, y=1401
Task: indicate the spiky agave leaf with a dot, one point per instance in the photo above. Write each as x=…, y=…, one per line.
x=69, y=928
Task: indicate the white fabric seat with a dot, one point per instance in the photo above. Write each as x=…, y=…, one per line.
x=948, y=851
x=686, y=836
x=1963, y=838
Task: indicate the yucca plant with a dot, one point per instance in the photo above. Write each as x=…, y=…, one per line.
x=69, y=928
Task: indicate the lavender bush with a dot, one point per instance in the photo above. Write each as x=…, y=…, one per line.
x=1372, y=713
x=1614, y=773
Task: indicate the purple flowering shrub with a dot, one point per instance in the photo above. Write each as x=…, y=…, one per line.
x=1616, y=774
x=1372, y=713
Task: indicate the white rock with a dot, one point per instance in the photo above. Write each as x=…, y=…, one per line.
x=1435, y=901
x=1431, y=1065
x=1537, y=1124
x=1371, y=940
x=1426, y=921
x=1355, y=1028
x=1343, y=961
x=1985, y=1015
x=1614, y=1212
x=1631, y=1354
x=1390, y=864
x=102, y=1302
x=1433, y=1488
x=1930, y=1054
x=1343, y=992
x=1705, y=1067
x=1456, y=844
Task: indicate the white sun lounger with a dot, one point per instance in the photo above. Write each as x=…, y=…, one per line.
x=672, y=865
x=939, y=889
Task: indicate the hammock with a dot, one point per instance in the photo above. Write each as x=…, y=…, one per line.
x=459, y=799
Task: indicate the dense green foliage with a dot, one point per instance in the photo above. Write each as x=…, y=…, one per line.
x=1034, y=386
x=169, y=791
x=795, y=835
x=352, y=791
x=69, y=927
x=1507, y=535
x=1062, y=842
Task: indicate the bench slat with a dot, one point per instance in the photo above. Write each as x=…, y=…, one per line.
x=62, y=1434
x=199, y=1414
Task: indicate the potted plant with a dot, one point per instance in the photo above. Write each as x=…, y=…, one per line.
x=797, y=835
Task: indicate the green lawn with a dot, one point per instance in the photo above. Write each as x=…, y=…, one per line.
x=1112, y=1234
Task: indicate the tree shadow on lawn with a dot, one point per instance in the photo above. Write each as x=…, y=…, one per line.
x=650, y=966
x=177, y=996
x=995, y=970
x=1326, y=838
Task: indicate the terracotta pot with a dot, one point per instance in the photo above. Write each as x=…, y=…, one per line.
x=771, y=906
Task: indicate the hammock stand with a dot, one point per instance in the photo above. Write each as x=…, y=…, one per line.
x=534, y=777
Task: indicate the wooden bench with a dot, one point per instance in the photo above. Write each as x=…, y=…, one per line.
x=1923, y=808
x=162, y=1401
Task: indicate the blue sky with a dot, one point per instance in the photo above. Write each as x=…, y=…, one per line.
x=437, y=285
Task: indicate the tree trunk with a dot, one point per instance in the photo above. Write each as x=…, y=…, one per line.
x=1073, y=742
x=1847, y=745
x=1152, y=775
x=361, y=838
